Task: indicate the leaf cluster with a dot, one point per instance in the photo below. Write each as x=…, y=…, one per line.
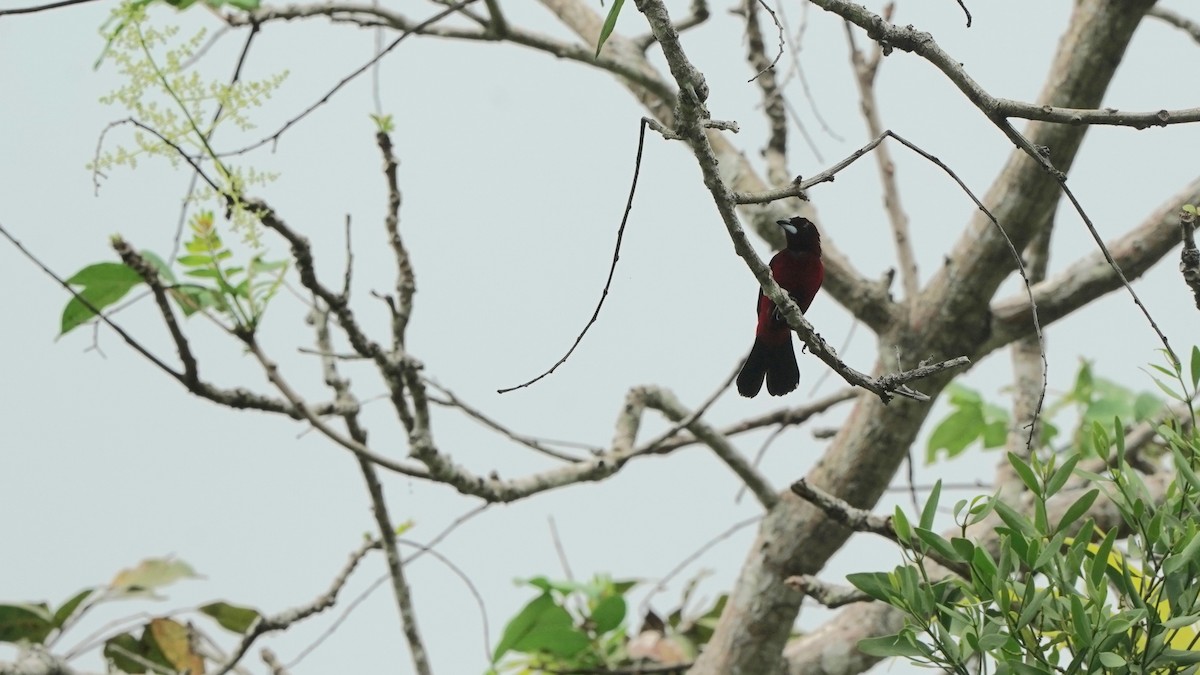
x=160, y=644
x=239, y=293
x=1091, y=399
x=1060, y=594
x=581, y=626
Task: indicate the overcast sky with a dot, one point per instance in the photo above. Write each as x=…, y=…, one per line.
x=514, y=171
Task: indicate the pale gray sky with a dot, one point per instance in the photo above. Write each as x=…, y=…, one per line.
x=514, y=171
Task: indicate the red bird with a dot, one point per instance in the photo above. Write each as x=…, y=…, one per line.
x=799, y=271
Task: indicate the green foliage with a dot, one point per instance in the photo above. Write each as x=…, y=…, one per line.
x=169, y=102
x=159, y=644
x=102, y=284
x=1092, y=399
x=122, y=18
x=610, y=22
x=240, y=293
x=569, y=625
x=163, y=94
x=1058, y=595
x=973, y=420
x=384, y=124
x=574, y=626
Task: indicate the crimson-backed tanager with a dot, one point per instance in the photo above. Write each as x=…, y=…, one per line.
x=799, y=271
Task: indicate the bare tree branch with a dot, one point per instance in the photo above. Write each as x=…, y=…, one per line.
x=282, y=620
x=829, y=595
x=1091, y=276
x=865, y=71
x=1178, y=20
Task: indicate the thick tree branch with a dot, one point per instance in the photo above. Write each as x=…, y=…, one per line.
x=689, y=127
x=775, y=151
x=950, y=318
x=1091, y=276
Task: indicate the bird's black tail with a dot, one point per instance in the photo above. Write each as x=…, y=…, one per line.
x=774, y=362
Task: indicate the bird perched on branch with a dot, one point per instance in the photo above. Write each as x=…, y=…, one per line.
x=799, y=271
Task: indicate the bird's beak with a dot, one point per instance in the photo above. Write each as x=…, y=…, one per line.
x=787, y=226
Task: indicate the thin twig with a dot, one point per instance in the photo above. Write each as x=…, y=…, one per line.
x=775, y=151
x=637, y=168
x=559, y=550
x=965, y=11
x=770, y=66
x=282, y=620
x=358, y=600
x=1178, y=20
x=42, y=8
x=255, y=17
x=406, y=284
x=530, y=442
x=661, y=585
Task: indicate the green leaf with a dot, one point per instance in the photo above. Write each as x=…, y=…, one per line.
x=900, y=525
x=118, y=649
x=610, y=22
x=193, y=298
x=1184, y=467
x=964, y=547
x=937, y=543
x=983, y=565
x=232, y=617
x=931, y=504
x=1061, y=475
x=1181, y=621
x=1180, y=657
x=902, y=645
x=1189, y=555
x=164, y=270
x=68, y=608
x=1014, y=520
x=103, y=284
x=195, y=260
x=1081, y=622
x=1033, y=605
x=995, y=434
x=542, y=625
x=1195, y=366
x=1100, y=562
x=1146, y=406
x=609, y=613
x=1077, y=509
x=1168, y=390
x=25, y=622
x=1025, y=473
x=878, y=585
x=1111, y=660
x=955, y=433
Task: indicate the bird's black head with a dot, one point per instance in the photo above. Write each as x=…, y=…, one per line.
x=802, y=235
